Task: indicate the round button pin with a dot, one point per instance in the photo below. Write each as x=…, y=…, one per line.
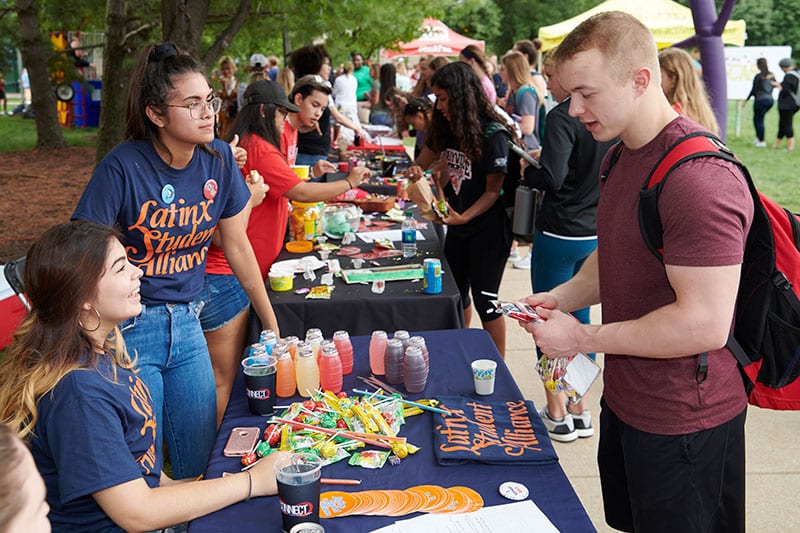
x=168, y=193
x=513, y=490
x=210, y=189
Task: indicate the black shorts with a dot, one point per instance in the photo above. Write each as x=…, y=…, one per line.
x=653, y=483
x=2, y=94
x=477, y=260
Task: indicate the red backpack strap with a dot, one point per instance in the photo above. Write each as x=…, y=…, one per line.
x=692, y=146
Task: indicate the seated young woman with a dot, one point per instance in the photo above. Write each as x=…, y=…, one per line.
x=70, y=389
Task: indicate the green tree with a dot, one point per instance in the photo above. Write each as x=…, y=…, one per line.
x=523, y=18
x=476, y=19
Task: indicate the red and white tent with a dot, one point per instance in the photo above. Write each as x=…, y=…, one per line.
x=436, y=40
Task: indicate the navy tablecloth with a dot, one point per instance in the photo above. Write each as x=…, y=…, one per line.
x=450, y=356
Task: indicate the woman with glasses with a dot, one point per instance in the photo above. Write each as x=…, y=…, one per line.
x=169, y=189
x=260, y=124
x=315, y=144
x=70, y=388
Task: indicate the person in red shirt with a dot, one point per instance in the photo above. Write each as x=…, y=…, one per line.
x=260, y=124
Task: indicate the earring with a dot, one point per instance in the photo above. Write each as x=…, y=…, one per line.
x=99, y=320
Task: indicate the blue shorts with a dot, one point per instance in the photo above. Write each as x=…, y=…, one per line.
x=224, y=300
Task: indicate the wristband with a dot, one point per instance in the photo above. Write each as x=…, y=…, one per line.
x=249, y=485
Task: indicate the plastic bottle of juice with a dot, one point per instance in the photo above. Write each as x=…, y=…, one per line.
x=415, y=373
x=330, y=369
x=307, y=372
x=393, y=361
x=420, y=341
x=269, y=339
x=285, y=379
x=377, y=352
x=292, y=342
x=345, y=348
x=403, y=335
x=314, y=337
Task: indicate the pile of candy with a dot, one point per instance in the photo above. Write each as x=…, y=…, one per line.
x=552, y=372
x=334, y=425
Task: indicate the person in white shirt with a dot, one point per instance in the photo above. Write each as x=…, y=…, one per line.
x=344, y=95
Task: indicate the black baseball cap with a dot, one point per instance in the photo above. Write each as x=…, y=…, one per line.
x=268, y=92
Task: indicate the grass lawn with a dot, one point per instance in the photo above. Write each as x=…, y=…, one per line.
x=774, y=171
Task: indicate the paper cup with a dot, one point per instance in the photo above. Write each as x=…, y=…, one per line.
x=301, y=171
x=483, y=372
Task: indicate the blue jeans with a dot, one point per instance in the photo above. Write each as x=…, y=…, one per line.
x=173, y=362
x=760, y=108
x=554, y=261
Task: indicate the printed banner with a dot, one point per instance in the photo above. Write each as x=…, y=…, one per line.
x=493, y=433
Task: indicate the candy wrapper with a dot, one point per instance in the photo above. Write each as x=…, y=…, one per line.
x=320, y=292
x=369, y=459
x=572, y=375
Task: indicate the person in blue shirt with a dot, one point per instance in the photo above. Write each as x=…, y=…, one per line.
x=169, y=189
x=70, y=388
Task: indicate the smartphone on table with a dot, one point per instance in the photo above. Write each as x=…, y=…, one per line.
x=241, y=441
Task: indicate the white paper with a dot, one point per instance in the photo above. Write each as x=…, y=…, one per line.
x=581, y=373
x=517, y=516
x=394, y=235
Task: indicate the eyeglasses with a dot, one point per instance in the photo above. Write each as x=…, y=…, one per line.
x=196, y=109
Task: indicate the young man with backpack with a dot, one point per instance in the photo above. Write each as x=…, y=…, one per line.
x=788, y=102
x=671, y=451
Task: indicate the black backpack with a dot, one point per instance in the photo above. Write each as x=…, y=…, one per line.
x=766, y=335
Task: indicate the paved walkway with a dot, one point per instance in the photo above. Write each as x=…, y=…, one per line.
x=773, y=439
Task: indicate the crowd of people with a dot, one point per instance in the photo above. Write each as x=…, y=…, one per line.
x=157, y=326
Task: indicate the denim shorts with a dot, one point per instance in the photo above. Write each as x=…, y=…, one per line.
x=224, y=300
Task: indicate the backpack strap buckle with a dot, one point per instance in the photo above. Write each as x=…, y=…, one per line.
x=781, y=282
x=702, y=368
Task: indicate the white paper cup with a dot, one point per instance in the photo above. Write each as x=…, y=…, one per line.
x=483, y=372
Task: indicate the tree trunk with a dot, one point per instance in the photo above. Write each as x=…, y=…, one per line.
x=223, y=40
x=34, y=56
x=125, y=35
x=183, y=21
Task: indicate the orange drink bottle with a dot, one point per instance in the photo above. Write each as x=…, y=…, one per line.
x=285, y=380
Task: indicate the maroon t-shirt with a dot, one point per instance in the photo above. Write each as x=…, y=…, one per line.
x=706, y=210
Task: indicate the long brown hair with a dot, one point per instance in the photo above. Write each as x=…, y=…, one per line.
x=62, y=271
x=688, y=90
x=470, y=111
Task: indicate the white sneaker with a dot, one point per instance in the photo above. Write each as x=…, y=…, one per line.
x=523, y=263
x=514, y=255
x=561, y=431
x=583, y=424
x=760, y=144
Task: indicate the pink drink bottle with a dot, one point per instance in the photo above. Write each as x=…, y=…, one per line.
x=330, y=369
x=345, y=348
x=377, y=352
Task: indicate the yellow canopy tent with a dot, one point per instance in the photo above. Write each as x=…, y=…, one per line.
x=669, y=21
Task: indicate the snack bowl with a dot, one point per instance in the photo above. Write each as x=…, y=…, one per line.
x=340, y=218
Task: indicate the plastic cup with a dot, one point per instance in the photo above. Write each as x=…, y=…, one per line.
x=281, y=281
x=483, y=372
x=301, y=171
x=298, y=476
x=259, y=383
